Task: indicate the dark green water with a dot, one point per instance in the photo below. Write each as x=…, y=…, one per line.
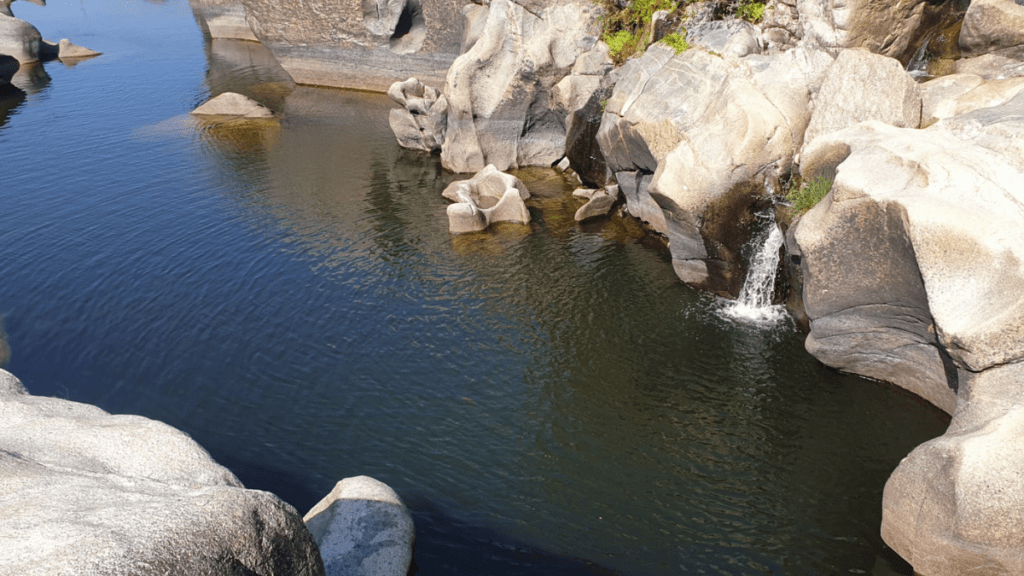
x=547, y=400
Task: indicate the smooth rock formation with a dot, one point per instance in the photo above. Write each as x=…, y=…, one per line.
x=363, y=529
x=233, y=104
x=599, y=202
x=365, y=44
x=67, y=50
x=712, y=135
x=732, y=37
x=20, y=40
x=955, y=505
x=489, y=196
x=222, y=19
x=957, y=94
x=508, y=97
x=87, y=493
x=912, y=264
x=421, y=123
x=864, y=86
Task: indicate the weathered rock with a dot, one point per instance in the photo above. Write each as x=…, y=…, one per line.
x=957, y=94
x=502, y=104
x=912, y=264
x=233, y=104
x=781, y=25
x=66, y=50
x=366, y=44
x=19, y=39
x=128, y=495
x=363, y=529
x=998, y=128
x=599, y=203
x=421, y=124
x=991, y=25
x=864, y=86
x=732, y=37
x=489, y=196
x=887, y=27
x=998, y=65
x=955, y=505
x=222, y=18
x=716, y=134
x=5, y=6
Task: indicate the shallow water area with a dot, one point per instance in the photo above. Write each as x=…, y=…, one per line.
x=547, y=399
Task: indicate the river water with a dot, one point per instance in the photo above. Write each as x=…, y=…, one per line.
x=547, y=399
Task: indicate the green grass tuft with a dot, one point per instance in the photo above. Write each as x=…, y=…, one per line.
x=676, y=41
x=807, y=195
x=752, y=12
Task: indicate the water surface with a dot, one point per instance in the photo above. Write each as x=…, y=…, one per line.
x=547, y=399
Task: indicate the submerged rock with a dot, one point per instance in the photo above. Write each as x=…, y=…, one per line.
x=365, y=44
x=489, y=196
x=233, y=104
x=363, y=529
x=129, y=495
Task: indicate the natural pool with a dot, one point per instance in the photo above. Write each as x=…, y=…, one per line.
x=546, y=403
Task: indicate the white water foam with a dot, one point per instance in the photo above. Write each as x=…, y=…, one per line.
x=754, y=304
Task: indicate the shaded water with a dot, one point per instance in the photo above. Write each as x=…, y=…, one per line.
x=547, y=399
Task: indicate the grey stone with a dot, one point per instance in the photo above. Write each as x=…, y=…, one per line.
x=360, y=43
x=991, y=25
x=87, y=493
x=421, y=124
x=363, y=529
x=503, y=106
x=732, y=37
x=599, y=204
x=958, y=94
x=222, y=19
x=955, y=505
x=20, y=40
x=233, y=104
x=66, y=50
x=864, y=86
x=489, y=196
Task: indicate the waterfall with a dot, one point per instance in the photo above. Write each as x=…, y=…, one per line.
x=755, y=300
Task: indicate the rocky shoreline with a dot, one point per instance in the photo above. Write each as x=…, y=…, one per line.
x=909, y=270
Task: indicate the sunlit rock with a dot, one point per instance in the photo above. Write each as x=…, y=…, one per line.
x=957, y=94
x=489, y=196
x=732, y=37
x=20, y=40
x=65, y=50
x=420, y=123
x=233, y=104
x=362, y=529
x=992, y=38
x=87, y=493
x=599, y=202
x=864, y=86
x=222, y=18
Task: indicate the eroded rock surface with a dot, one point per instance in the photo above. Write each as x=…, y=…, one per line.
x=87, y=493
x=366, y=44
x=363, y=529
x=489, y=196
x=421, y=122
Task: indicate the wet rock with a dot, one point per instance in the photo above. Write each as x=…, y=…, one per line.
x=233, y=104
x=912, y=265
x=599, y=203
x=957, y=94
x=503, y=106
x=955, y=505
x=363, y=529
x=222, y=19
x=366, y=44
x=581, y=146
x=66, y=50
x=421, y=123
x=20, y=40
x=675, y=116
x=129, y=495
x=489, y=196
x=864, y=86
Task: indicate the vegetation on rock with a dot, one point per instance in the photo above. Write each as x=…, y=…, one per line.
x=807, y=194
x=627, y=31
x=676, y=41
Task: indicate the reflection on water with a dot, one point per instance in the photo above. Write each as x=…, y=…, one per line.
x=31, y=78
x=547, y=399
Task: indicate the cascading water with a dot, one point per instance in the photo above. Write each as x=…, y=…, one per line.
x=754, y=303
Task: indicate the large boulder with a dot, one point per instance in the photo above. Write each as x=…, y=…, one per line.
x=363, y=529
x=714, y=135
x=955, y=505
x=508, y=96
x=489, y=196
x=864, y=86
x=365, y=44
x=420, y=123
x=20, y=40
x=991, y=25
x=87, y=493
x=222, y=18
